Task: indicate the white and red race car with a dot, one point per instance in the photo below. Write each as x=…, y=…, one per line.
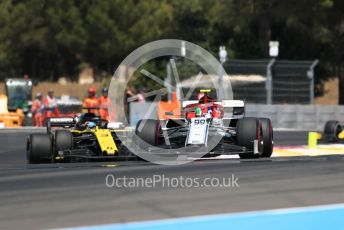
x=216, y=127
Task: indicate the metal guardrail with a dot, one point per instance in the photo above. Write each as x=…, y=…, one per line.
x=298, y=117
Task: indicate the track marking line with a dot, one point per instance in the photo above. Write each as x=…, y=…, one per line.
x=321, y=150
x=313, y=217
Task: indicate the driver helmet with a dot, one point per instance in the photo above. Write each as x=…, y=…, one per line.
x=90, y=124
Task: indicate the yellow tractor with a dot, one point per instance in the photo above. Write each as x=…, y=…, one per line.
x=15, y=105
x=9, y=119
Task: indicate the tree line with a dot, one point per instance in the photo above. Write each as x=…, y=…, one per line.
x=51, y=38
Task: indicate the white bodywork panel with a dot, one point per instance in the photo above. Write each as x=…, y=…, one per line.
x=61, y=120
x=231, y=103
x=198, y=132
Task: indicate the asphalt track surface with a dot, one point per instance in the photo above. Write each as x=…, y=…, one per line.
x=66, y=195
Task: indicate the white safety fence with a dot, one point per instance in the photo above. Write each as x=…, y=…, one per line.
x=299, y=117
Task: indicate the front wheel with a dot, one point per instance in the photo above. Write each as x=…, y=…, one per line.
x=148, y=130
x=63, y=140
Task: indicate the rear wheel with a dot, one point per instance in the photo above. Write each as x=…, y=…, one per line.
x=248, y=130
x=267, y=137
x=63, y=140
x=331, y=131
x=38, y=148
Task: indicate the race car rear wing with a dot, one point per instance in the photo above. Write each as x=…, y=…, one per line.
x=65, y=122
x=233, y=108
x=231, y=103
x=224, y=103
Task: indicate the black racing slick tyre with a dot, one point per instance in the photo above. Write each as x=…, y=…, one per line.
x=63, y=140
x=267, y=137
x=248, y=130
x=148, y=130
x=331, y=131
x=38, y=148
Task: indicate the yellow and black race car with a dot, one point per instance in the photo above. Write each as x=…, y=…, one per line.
x=75, y=138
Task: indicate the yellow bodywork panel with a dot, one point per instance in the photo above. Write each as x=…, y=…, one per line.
x=106, y=142
x=313, y=138
x=341, y=135
x=319, y=136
